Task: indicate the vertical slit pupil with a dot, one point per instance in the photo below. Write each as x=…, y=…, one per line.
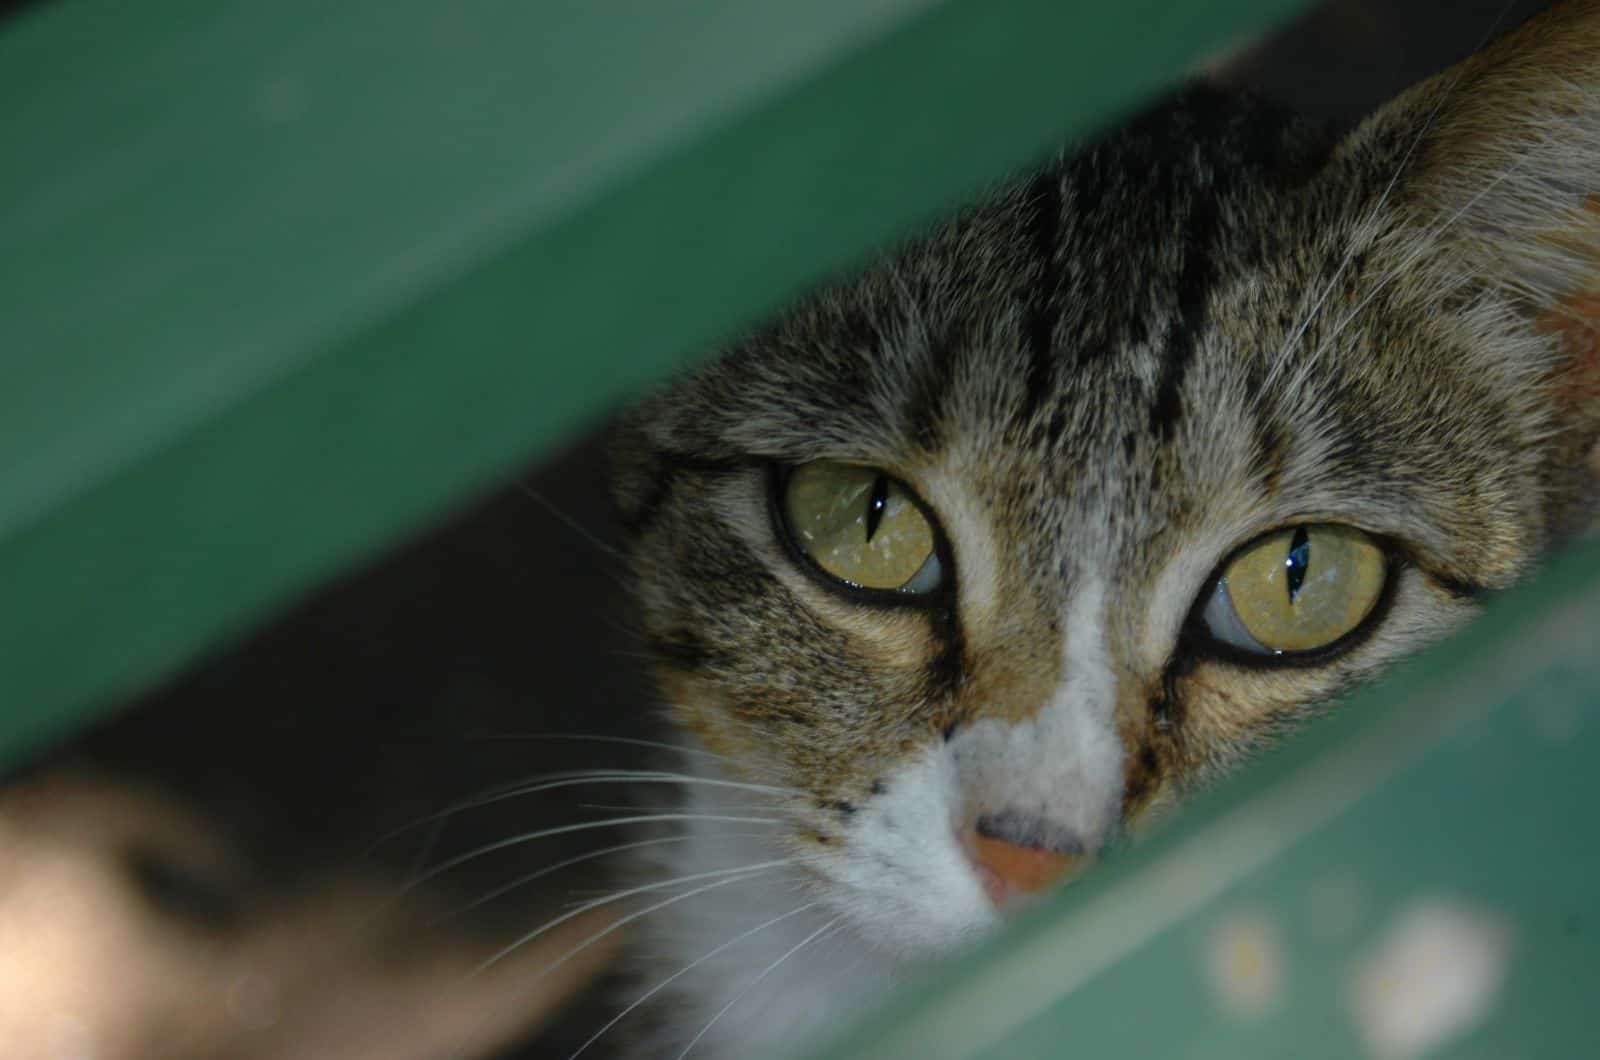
x=1298, y=562
x=875, y=506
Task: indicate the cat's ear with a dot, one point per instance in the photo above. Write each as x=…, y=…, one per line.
x=1497, y=196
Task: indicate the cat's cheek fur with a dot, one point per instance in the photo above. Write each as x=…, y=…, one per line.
x=902, y=877
x=747, y=941
x=1233, y=710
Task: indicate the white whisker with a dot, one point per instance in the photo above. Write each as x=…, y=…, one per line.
x=630, y=741
x=686, y=969
x=1424, y=243
x=528, y=878
x=555, y=781
x=491, y=795
x=1361, y=231
x=524, y=880
x=768, y=970
x=605, y=547
x=529, y=837
x=721, y=878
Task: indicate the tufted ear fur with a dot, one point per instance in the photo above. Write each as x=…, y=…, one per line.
x=1498, y=207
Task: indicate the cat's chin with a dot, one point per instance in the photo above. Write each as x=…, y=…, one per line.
x=904, y=944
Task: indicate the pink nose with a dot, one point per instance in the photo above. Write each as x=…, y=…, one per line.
x=1008, y=869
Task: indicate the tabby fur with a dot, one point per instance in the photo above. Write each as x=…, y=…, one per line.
x=1102, y=380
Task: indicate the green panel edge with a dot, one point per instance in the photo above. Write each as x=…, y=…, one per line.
x=329, y=439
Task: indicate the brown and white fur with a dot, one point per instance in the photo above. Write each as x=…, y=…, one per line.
x=1102, y=380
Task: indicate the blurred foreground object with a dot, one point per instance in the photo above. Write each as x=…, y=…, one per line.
x=122, y=938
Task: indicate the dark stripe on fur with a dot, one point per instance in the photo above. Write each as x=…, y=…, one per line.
x=1194, y=288
x=947, y=669
x=682, y=650
x=1269, y=436
x=1462, y=590
x=700, y=464
x=1044, y=313
x=637, y=515
x=1143, y=779
x=924, y=409
x=1270, y=443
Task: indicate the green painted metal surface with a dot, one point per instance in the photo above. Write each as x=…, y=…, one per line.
x=278, y=282
x=1433, y=844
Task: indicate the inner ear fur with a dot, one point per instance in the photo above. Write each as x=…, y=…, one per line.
x=1497, y=206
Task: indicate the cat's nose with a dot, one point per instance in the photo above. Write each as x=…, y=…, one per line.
x=1018, y=854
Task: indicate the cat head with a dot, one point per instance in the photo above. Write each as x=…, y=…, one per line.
x=986, y=551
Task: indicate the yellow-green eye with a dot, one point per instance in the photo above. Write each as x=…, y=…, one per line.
x=861, y=526
x=1296, y=589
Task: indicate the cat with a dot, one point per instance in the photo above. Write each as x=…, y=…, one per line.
x=968, y=564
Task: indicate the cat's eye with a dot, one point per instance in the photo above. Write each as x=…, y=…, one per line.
x=860, y=526
x=1298, y=589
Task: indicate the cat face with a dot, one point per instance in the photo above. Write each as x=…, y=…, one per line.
x=1168, y=444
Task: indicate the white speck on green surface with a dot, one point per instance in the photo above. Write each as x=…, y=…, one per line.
x=1435, y=973
x=1247, y=965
